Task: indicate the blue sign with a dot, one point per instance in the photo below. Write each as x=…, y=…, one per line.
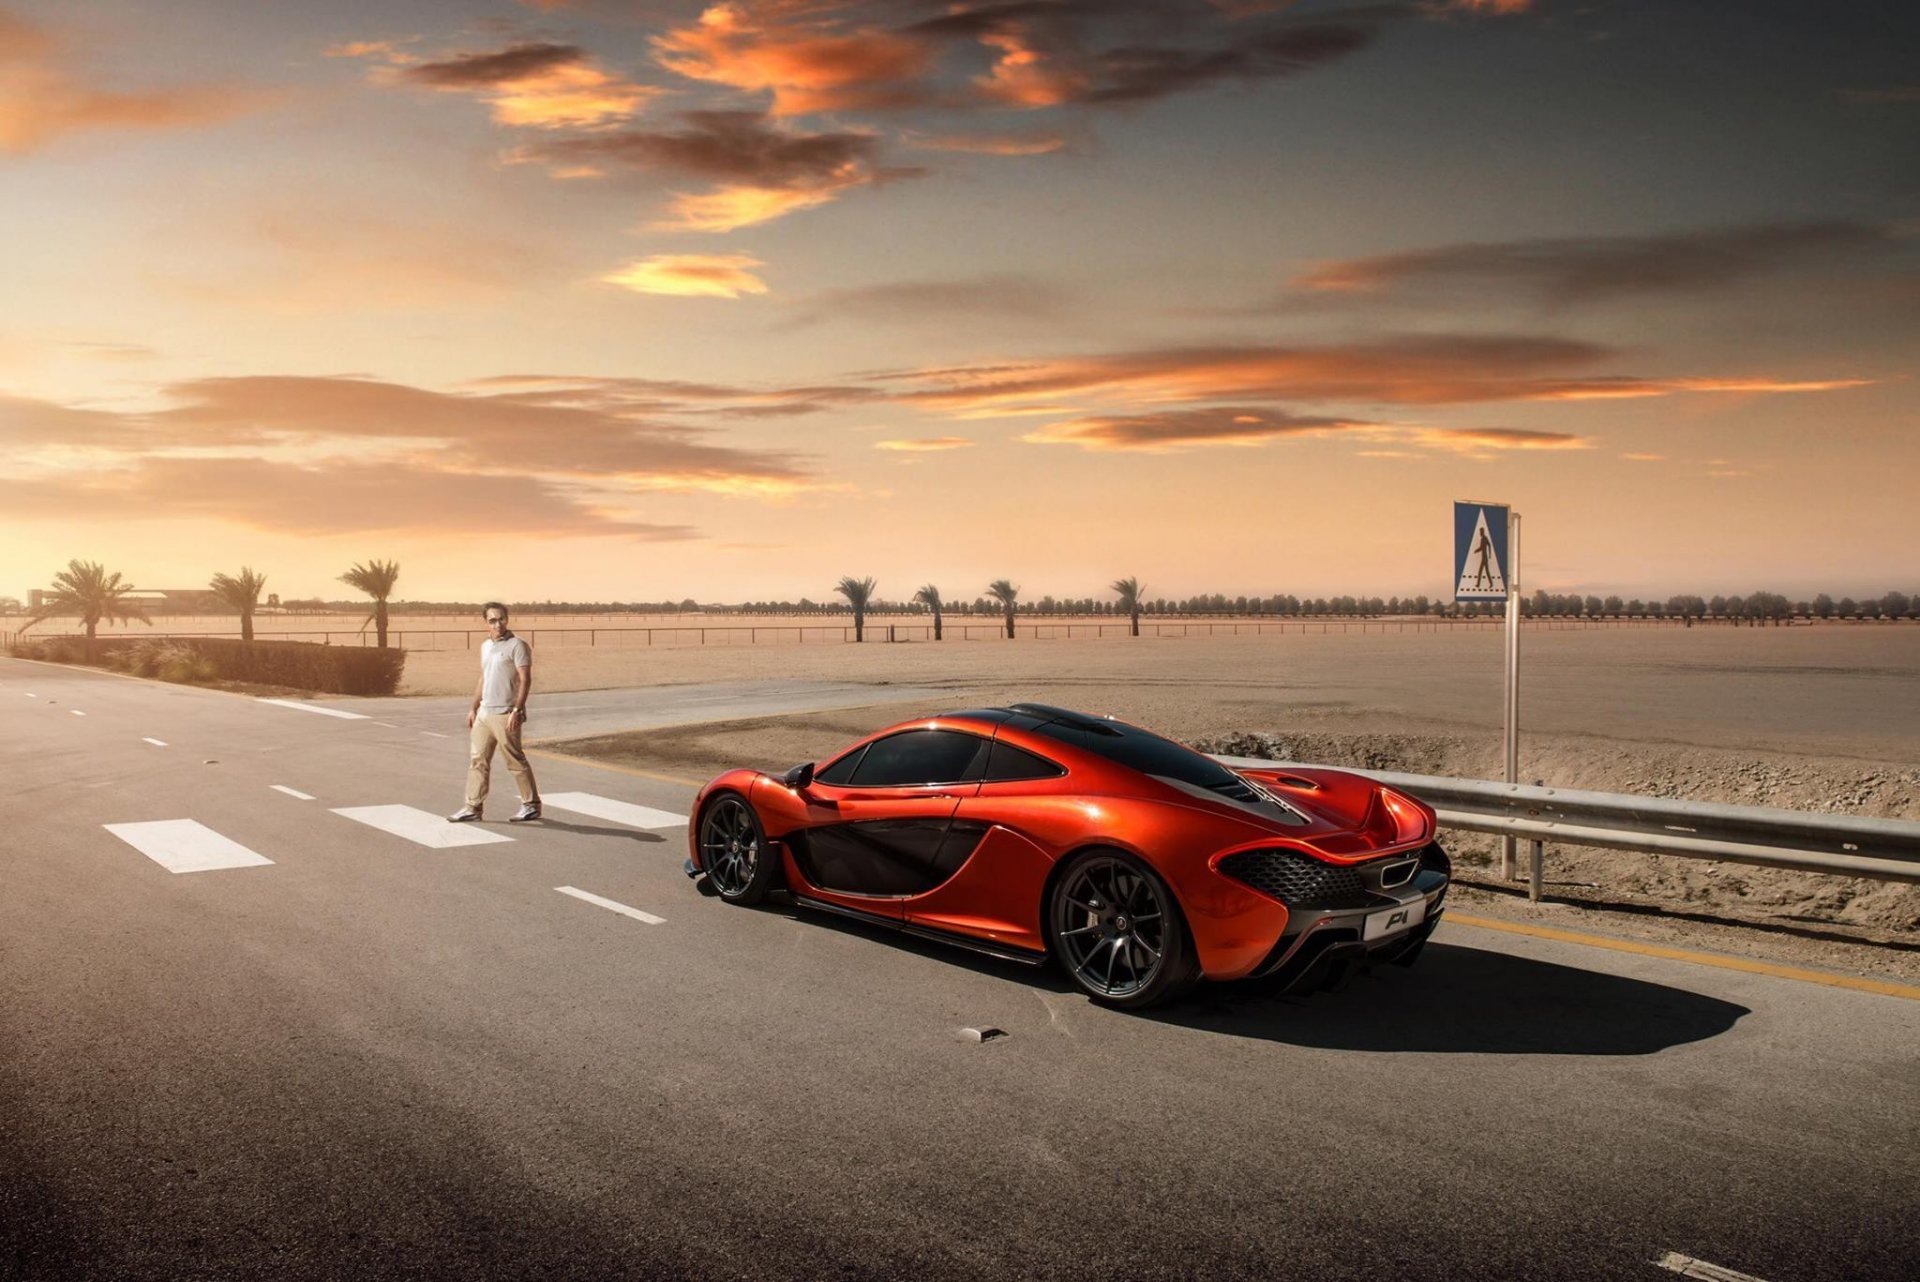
x=1480, y=551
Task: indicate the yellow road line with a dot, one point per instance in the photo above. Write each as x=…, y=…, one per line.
x=551, y=755
x=1883, y=987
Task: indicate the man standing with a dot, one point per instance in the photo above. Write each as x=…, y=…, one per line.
x=499, y=710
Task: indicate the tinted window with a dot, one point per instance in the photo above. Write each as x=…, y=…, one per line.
x=1007, y=762
x=842, y=770
x=1147, y=753
x=918, y=757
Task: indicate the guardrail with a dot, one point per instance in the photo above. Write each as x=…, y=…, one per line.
x=1847, y=845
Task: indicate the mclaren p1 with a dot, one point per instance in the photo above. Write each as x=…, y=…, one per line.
x=1032, y=832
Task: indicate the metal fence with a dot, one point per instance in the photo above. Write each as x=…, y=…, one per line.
x=875, y=633
x=1847, y=845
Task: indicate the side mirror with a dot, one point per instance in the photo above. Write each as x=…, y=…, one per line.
x=798, y=777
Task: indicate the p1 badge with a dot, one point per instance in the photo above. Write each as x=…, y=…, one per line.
x=1391, y=921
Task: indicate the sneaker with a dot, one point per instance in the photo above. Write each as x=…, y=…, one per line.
x=464, y=815
x=529, y=811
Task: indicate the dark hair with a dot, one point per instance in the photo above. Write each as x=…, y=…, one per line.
x=495, y=605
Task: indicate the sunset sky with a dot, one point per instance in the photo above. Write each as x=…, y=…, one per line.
x=621, y=300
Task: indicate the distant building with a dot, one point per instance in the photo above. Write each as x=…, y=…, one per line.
x=155, y=600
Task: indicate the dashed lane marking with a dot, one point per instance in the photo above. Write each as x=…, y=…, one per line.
x=435, y=734
x=620, y=908
x=421, y=828
x=158, y=743
x=388, y=724
x=31, y=695
x=621, y=812
x=314, y=707
x=292, y=792
x=76, y=712
x=1688, y=1267
x=1883, y=987
x=185, y=845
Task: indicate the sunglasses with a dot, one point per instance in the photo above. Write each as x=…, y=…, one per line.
x=496, y=618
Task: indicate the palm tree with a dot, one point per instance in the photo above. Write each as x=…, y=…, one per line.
x=86, y=590
x=929, y=596
x=376, y=579
x=242, y=594
x=858, y=592
x=1129, y=590
x=1006, y=594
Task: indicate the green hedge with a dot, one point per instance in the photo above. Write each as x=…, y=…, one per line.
x=301, y=665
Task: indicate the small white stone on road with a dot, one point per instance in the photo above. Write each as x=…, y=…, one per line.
x=185, y=845
x=615, y=906
x=621, y=812
x=158, y=743
x=1688, y=1267
x=314, y=707
x=292, y=792
x=981, y=1034
x=76, y=712
x=422, y=828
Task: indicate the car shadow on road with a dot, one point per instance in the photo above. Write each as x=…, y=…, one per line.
x=1468, y=1001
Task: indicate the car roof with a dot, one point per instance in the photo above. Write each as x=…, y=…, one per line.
x=1031, y=716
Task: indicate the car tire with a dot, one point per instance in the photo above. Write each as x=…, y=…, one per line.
x=1118, y=932
x=734, y=852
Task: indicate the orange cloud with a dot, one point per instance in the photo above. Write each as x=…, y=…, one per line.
x=730, y=208
x=42, y=101
x=533, y=85
x=925, y=444
x=1573, y=269
x=336, y=498
x=1183, y=429
x=989, y=144
x=766, y=171
x=1405, y=371
x=1480, y=440
x=1243, y=426
x=1025, y=76
x=691, y=275
x=1495, y=8
x=807, y=66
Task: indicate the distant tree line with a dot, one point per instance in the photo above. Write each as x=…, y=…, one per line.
x=85, y=590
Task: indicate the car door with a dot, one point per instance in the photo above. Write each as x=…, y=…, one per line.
x=881, y=827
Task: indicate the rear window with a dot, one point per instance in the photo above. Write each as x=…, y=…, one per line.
x=1007, y=763
x=1147, y=753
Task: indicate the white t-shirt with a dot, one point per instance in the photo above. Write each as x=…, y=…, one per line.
x=498, y=659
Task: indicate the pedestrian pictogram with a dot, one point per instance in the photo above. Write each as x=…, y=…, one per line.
x=1480, y=552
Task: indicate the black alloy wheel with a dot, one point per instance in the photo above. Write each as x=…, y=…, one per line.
x=1117, y=931
x=733, y=850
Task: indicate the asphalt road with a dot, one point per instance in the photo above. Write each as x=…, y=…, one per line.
x=373, y=1058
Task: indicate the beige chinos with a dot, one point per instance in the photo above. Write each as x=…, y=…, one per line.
x=494, y=724
x=501, y=729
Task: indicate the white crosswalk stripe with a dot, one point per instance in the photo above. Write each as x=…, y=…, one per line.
x=185, y=845
x=421, y=827
x=620, y=812
x=613, y=904
x=314, y=707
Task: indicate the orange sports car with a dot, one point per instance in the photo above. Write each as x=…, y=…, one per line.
x=1030, y=832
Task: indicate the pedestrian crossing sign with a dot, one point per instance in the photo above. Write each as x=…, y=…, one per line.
x=1480, y=551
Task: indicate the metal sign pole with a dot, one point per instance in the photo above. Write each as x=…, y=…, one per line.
x=1507, y=844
